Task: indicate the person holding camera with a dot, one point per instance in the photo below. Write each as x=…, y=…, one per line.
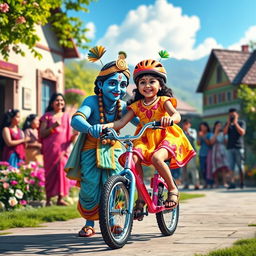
x=235, y=130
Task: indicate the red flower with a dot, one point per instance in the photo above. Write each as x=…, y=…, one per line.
x=4, y=7
x=20, y=20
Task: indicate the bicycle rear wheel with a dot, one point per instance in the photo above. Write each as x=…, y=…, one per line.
x=167, y=220
x=115, y=220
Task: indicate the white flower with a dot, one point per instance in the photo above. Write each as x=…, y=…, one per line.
x=11, y=191
x=18, y=194
x=2, y=206
x=12, y=201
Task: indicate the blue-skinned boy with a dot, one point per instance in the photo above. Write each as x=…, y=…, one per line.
x=90, y=163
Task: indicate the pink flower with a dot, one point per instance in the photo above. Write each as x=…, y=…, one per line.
x=13, y=182
x=6, y=185
x=23, y=202
x=27, y=187
x=41, y=183
x=32, y=182
x=4, y=163
x=12, y=201
x=20, y=20
x=26, y=179
x=4, y=7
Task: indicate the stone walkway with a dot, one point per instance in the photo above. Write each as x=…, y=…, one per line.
x=208, y=223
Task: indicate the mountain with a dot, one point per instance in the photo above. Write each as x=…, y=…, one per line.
x=184, y=77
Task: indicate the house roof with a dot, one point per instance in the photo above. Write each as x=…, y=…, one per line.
x=247, y=74
x=71, y=52
x=232, y=63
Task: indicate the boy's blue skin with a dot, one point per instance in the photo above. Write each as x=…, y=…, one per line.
x=113, y=89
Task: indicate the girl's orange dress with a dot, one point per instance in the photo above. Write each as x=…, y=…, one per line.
x=171, y=138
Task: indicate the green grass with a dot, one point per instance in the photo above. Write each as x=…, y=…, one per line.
x=186, y=196
x=34, y=217
x=245, y=247
x=252, y=225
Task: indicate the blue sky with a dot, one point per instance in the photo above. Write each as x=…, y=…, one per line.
x=188, y=29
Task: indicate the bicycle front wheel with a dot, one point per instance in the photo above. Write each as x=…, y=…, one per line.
x=115, y=220
x=167, y=220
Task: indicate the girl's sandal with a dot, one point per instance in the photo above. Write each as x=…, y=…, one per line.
x=138, y=209
x=84, y=231
x=172, y=198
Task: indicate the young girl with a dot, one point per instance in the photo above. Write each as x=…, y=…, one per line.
x=33, y=149
x=13, y=139
x=153, y=102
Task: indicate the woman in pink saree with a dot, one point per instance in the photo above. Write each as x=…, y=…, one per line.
x=56, y=136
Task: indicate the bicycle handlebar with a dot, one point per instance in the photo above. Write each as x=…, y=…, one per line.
x=110, y=133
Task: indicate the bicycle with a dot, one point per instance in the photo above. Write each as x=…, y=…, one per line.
x=117, y=198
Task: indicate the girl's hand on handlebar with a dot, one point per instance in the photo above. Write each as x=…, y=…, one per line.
x=95, y=130
x=109, y=125
x=166, y=121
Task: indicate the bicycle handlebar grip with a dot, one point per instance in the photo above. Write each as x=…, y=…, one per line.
x=105, y=131
x=158, y=123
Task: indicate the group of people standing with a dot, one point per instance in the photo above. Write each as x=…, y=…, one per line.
x=44, y=140
x=221, y=152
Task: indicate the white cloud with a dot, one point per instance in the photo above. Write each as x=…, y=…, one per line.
x=151, y=28
x=91, y=32
x=249, y=35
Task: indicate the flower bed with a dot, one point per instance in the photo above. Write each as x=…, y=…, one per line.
x=20, y=186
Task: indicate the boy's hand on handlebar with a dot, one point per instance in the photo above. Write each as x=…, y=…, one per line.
x=95, y=130
x=166, y=121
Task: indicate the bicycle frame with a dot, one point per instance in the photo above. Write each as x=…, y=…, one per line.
x=132, y=175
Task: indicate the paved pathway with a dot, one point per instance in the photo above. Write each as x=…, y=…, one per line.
x=214, y=221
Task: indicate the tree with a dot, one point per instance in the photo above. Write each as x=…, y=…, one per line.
x=248, y=97
x=79, y=75
x=18, y=19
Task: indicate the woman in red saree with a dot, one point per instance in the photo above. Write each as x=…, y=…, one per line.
x=56, y=136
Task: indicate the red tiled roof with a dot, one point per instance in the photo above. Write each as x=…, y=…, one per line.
x=231, y=61
x=239, y=66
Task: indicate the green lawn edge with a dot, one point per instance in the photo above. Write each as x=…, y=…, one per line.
x=244, y=247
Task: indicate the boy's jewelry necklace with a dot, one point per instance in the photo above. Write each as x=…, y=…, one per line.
x=150, y=103
x=103, y=112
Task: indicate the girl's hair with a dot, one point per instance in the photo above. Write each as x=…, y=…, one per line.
x=164, y=91
x=28, y=121
x=206, y=125
x=7, y=120
x=52, y=99
x=215, y=124
x=104, y=78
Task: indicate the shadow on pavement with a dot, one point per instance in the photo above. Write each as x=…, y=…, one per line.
x=59, y=244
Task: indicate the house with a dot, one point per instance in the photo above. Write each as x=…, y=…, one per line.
x=224, y=72
x=27, y=83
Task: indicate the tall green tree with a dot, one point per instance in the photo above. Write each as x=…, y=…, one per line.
x=248, y=96
x=79, y=75
x=18, y=19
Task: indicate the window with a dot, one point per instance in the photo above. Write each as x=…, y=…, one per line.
x=219, y=74
x=219, y=98
x=229, y=96
x=210, y=100
x=47, y=90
